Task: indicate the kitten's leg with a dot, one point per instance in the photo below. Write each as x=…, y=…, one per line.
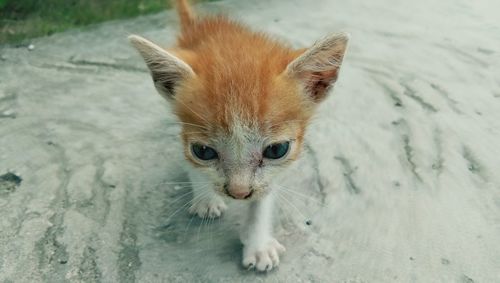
x=206, y=203
x=261, y=250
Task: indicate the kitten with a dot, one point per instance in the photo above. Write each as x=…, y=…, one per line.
x=244, y=101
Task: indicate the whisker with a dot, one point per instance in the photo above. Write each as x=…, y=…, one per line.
x=199, y=228
x=186, y=204
x=178, y=100
x=189, y=224
x=210, y=232
x=286, y=212
x=293, y=192
x=293, y=206
x=194, y=215
x=193, y=133
x=279, y=213
x=181, y=197
x=181, y=183
x=288, y=121
x=189, y=124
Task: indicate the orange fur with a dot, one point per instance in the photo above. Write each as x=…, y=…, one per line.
x=186, y=15
x=222, y=75
x=244, y=100
x=239, y=75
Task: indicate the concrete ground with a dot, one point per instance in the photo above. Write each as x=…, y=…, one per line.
x=399, y=182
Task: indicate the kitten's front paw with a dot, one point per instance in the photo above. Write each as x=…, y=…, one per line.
x=263, y=257
x=208, y=208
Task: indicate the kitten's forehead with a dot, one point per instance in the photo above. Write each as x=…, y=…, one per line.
x=243, y=116
x=238, y=124
x=244, y=130
x=241, y=138
x=242, y=141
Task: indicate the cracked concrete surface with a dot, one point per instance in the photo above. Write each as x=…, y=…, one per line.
x=399, y=181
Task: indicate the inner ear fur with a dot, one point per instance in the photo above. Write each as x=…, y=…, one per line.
x=317, y=68
x=166, y=69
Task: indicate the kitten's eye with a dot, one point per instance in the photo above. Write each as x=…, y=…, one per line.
x=277, y=150
x=204, y=152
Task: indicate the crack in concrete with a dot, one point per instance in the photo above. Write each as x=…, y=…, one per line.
x=392, y=93
x=97, y=207
x=411, y=93
x=465, y=55
x=409, y=156
x=322, y=255
x=128, y=258
x=71, y=69
x=452, y=103
x=474, y=166
x=466, y=279
x=88, y=269
x=50, y=250
x=104, y=190
x=407, y=147
x=127, y=68
x=485, y=51
x=82, y=66
x=317, y=174
x=374, y=71
x=348, y=171
x=439, y=161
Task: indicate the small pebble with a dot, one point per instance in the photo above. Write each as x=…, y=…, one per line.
x=31, y=47
x=445, y=261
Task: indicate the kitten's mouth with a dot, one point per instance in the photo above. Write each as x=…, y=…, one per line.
x=240, y=196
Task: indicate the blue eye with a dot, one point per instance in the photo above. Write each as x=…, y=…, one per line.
x=277, y=150
x=204, y=152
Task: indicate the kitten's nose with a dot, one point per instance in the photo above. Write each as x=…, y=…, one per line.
x=239, y=192
x=240, y=195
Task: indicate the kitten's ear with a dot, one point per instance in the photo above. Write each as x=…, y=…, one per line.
x=166, y=69
x=318, y=67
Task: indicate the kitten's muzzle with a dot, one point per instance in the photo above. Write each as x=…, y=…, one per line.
x=238, y=192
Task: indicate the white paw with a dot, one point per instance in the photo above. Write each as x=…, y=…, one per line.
x=263, y=257
x=208, y=207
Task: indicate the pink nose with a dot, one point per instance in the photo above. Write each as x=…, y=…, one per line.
x=240, y=194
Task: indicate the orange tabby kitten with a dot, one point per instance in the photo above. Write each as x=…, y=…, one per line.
x=244, y=101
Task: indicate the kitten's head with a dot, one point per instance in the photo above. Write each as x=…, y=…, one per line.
x=244, y=117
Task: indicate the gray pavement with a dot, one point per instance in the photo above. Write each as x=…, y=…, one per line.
x=399, y=182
